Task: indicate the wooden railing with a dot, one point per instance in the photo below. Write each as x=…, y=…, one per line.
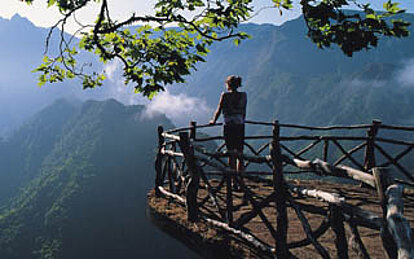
x=185, y=170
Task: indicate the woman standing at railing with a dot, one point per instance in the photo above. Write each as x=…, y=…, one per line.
x=233, y=106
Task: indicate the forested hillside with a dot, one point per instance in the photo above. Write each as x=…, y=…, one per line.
x=289, y=79
x=78, y=175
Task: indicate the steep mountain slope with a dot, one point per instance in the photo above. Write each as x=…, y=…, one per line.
x=86, y=199
x=288, y=78
x=285, y=75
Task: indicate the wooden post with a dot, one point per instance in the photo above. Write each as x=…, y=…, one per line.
x=396, y=232
x=356, y=243
x=398, y=226
x=193, y=184
x=369, y=159
x=174, y=168
x=325, y=150
x=229, y=198
x=193, y=129
x=336, y=218
x=280, y=190
x=382, y=181
x=158, y=162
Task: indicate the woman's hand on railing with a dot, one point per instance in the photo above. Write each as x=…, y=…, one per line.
x=211, y=122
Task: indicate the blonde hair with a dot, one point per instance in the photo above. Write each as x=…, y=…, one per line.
x=234, y=82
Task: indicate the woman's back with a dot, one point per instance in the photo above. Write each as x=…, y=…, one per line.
x=234, y=103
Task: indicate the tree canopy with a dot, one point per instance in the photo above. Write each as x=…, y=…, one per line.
x=160, y=49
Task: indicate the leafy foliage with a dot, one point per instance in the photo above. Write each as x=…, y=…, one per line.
x=156, y=55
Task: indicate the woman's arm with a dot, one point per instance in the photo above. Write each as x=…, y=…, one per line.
x=218, y=110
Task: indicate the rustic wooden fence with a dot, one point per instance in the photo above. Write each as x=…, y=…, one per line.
x=193, y=176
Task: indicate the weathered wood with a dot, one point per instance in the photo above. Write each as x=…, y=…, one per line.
x=290, y=152
x=400, y=167
x=333, y=198
x=221, y=173
x=334, y=127
x=382, y=181
x=279, y=186
x=358, y=175
x=307, y=137
x=359, y=216
x=394, y=223
x=325, y=225
x=257, y=207
x=257, y=158
x=397, y=224
x=209, y=139
x=356, y=243
x=339, y=170
x=348, y=155
x=171, y=153
x=350, y=152
x=229, y=199
x=255, y=242
x=312, y=209
x=170, y=136
x=307, y=148
x=396, y=142
x=178, y=171
x=170, y=174
x=337, y=223
x=398, y=157
x=308, y=231
x=176, y=197
x=158, y=162
x=362, y=217
x=393, y=127
x=325, y=150
x=303, y=164
x=369, y=157
x=211, y=194
x=193, y=129
x=193, y=183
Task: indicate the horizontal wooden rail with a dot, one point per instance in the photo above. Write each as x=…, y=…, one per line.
x=305, y=127
x=339, y=171
x=170, y=136
x=394, y=127
x=171, y=153
x=334, y=127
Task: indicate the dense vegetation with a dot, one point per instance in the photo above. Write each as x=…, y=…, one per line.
x=83, y=170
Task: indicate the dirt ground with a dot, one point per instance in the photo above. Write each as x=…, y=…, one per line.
x=364, y=198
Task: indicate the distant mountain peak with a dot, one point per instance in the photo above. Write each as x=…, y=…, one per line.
x=19, y=20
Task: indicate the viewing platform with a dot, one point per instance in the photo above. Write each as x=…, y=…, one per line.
x=357, y=200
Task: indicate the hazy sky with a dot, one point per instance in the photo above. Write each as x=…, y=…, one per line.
x=45, y=17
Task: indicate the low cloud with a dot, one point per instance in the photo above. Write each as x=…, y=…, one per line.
x=360, y=83
x=180, y=108
x=112, y=69
x=406, y=75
